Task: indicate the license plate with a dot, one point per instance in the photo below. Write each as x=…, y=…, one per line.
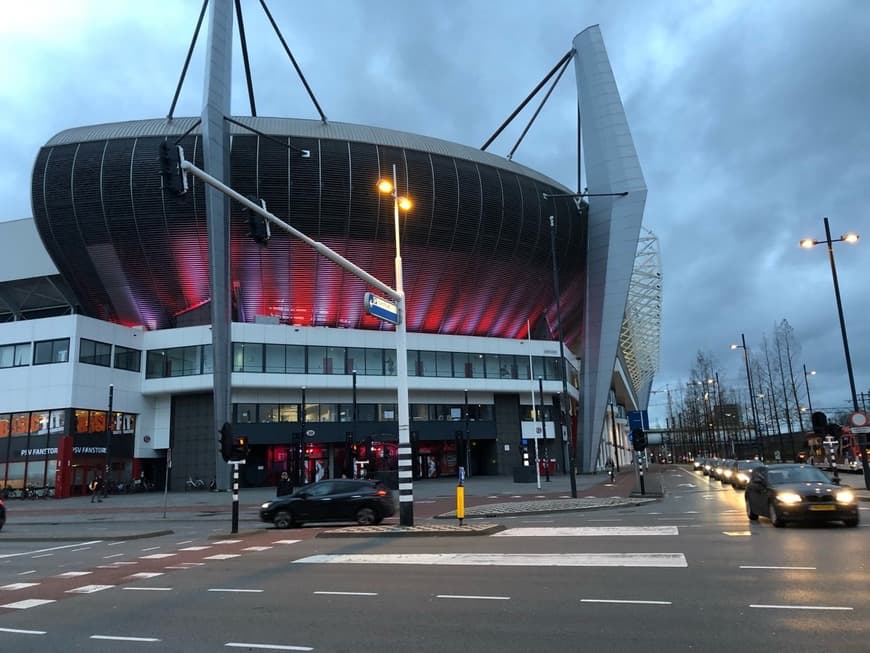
x=823, y=507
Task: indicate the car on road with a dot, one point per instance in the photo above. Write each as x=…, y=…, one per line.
x=729, y=468
x=2, y=513
x=346, y=500
x=793, y=492
x=697, y=463
x=741, y=476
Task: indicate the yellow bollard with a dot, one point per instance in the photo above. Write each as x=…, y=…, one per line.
x=460, y=503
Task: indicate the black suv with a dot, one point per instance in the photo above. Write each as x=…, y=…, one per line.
x=361, y=501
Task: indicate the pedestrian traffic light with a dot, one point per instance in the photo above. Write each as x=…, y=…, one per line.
x=226, y=441
x=638, y=439
x=820, y=423
x=239, y=449
x=258, y=226
x=834, y=430
x=174, y=177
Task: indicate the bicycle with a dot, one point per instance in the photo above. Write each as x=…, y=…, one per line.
x=194, y=484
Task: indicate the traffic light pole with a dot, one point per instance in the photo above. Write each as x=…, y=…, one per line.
x=235, y=528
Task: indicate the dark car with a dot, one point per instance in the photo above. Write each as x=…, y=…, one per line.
x=743, y=473
x=787, y=493
x=2, y=513
x=361, y=501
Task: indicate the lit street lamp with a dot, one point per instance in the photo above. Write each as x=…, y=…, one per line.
x=406, y=481
x=751, y=394
x=850, y=237
x=807, y=384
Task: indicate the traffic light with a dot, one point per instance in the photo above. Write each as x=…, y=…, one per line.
x=226, y=441
x=239, y=450
x=820, y=423
x=258, y=226
x=174, y=178
x=638, y=439
x=834, y=430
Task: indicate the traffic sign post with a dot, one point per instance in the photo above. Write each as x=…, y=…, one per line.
x=831, y=445
x=381, y=308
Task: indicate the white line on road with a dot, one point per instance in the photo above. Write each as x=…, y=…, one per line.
x=286, y=541
x=184, y=542
x=227, y=541
x=84, y=548
x=346, y=593
x=22, y=632
x=151, y=548
x=156, y=556
x=43, y=555
x=800, y=607
x=195, y=548
x=117, y=543
x=773, y=567
x=223, y=556
x=638, y=602
x=125, y=639
x=18, y=586
x=148, y=589
x=507, y=559
x=27, y=603
x=267, y=647
x=73, y=574
x=144, y=575
x=227, y=589
x=114, y=555
x=471, y=596
x=89, y=589
x=27, y=573
x=588, y=531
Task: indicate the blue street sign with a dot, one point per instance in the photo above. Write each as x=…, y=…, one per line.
x=381, y=308
x=638, y=419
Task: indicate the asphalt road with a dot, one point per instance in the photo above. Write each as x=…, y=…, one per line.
x=688, y=573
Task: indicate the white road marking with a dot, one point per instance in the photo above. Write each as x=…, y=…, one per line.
x=114, y=555
x=228, y=541
x=148, y=589
x=27, y=573
x=267, y=647
x=737, y=533
x=286, y=541
x=800, y=607
x=84, y=548
x=256, y=548
x=156, y=556
x=223, y=556
x=184, y=542
x=125, y=639
x=195, y=548
x=462, y=596
x=43, y=555
x=347, y=593
x=18, y=586
x=638, y=602
x=27, y=603
x=588, y=531
x=89, y=589
x=229, y=589
x=604, y=520
x=507, y=559
x=772, y=567
x=73, y=574
x=54, y=548
x=22, y=632
x=142, y=575
x=117, y=543
x=151, y=548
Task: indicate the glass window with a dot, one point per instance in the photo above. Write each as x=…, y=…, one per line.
x=312, y=412
x=538, y=367
x=95, y=353
x=295, y=359
x=57, y=421
x=551, y=369
x=192, y=360
x=269, y=413
x=492, y=368
x=334, y=362
x=39, y=423
x=387, y=413
x=155, y=364
x=97, y=421
x=247, y=357
x=328, y=412
x=207, y=359
x=80, y=422
x=275, y=359
x=51, y=351
x=478, y=371
x=316, y=358
x=374, y=362
x=16, y=355
x=20, y=423
x=522, y=367
x=4, y=425
x=128, y=359
x=444, y=364
x=175, y=361
x=390, y=363
x=356, y=360
x=345, y=412
x=289, y=413
x=573, y=376
x=419, y=412
x=366, y=412
x=426, y=365
x=246, y=413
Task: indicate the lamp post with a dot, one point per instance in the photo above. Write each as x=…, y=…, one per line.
x=751, y=395
x=108, y=441
x=851, y=237
x=406, y=481
x=807, y=384
x=544, y=429
x=348, y=466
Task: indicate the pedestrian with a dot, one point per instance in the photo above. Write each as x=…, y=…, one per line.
x=284, y=485
x=610, y=467
x=96, y=489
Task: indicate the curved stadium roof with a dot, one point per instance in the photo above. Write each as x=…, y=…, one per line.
x=476, y=245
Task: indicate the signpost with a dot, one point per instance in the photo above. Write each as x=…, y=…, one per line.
x=381, y=308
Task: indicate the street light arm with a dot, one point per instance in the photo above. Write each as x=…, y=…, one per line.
x=548, y=196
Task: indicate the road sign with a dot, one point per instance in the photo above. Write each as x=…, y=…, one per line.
x=859, y=419
x=638, y=419
x=861, y=429
x=381, y=308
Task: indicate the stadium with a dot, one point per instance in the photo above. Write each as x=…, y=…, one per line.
x=110, y=332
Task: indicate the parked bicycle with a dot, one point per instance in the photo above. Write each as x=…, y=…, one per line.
x=194, y=484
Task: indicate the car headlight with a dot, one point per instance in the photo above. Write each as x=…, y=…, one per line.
x=788, y=497
x=743, y=478
x=266, y=505
x=727, y=473
x=845, y=496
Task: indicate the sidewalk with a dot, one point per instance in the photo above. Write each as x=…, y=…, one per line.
x=151, y=514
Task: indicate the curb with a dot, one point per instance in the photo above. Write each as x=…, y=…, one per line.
x=429, y=530
x=486, y=512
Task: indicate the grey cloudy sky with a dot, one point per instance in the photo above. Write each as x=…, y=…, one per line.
x=750, y=120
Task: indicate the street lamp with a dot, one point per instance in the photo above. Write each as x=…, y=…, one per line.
x=851, y=237
x=406, y=481
x=751, y=394
x=807, y=384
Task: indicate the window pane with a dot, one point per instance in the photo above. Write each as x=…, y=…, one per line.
x=295, y=359
x=366, y=412
x=477, y=370
x=22, y=354
x=238, y=356
x=493, y=367
x=444, y=364
x=387, y=413
x=356, y=360
x=127, y=359
x=7, y=355
x=175, y=361
x=328, y=412
x=60, y=349
x=275, y=359
x=312, y=412
x=269, y=413
x=207, y=359
x=155, y=364
x=419, y=412
x=334, y=363
x=191, y=360
x=390, y=363
x=316, y=356
x=246, y=413
x=289, y=413
x=427, y=364
x=4, y=425
x=374, y=362
x=537, y=366
x=551, y=369
x=42, y=353
x=253, y=357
